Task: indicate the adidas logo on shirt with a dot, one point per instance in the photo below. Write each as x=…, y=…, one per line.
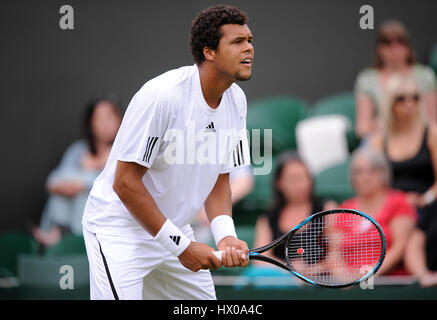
x=210, y=127
x=176, y=239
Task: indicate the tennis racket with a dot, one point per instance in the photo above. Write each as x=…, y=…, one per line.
x=334, y=248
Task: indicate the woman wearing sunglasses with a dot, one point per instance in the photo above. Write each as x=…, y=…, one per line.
x=393, y=55
x=409, y=139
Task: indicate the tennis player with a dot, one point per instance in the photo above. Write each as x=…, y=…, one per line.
x=182, y=134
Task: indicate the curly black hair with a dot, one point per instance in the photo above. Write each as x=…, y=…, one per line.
x=205, y=28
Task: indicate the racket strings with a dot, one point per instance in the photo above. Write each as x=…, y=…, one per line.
x=335, y=249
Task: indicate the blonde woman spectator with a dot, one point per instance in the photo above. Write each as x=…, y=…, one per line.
x=409, y=142
x=393, y=55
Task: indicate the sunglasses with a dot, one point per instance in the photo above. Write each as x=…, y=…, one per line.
x=389, y=41
x=402, y=98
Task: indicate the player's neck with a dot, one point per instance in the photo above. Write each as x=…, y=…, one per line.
x=213, y=85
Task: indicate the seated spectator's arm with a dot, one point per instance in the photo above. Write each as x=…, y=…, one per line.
x=364, y=115
x=401, y=228
x=415, y=259
x=68, y=188
x=263, y=236
x=429, y=89
x=430, y=101
x=376, y=141
x=65, y=180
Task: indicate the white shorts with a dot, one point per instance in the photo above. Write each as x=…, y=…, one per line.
x=127, y=269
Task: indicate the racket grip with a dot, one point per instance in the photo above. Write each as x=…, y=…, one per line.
x=218, y=254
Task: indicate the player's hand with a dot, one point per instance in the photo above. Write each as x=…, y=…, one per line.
x=199, y=256
x=235, y=252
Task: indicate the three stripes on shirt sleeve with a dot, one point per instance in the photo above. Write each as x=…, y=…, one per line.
x=151, y=141
x=238, y=154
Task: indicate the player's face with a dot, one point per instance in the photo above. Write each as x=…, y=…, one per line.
x=234, y=54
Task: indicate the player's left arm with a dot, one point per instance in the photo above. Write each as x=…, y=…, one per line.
x=218, y=207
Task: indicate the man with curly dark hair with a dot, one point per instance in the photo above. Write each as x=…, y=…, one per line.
x=182, y=134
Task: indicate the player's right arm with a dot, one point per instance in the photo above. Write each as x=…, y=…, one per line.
x=132, y=192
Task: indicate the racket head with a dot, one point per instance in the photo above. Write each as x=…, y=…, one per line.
x=335, y=248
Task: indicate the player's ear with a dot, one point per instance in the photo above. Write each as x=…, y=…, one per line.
x=209, y=53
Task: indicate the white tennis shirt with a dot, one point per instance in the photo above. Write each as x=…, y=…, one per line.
x=169, y=128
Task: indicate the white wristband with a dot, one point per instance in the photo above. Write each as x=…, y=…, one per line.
x=171, y=238
x=222, y=226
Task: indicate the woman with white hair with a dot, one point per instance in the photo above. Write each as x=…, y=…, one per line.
x=370, y=177
x=409, y=141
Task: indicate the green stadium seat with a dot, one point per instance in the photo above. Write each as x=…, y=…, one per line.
x=47, y=271
x=5, y=273
x=69, y=244
x=333, y=183
x=11, y=245
x=343, y=104
x=281, y=114
x=246, y=233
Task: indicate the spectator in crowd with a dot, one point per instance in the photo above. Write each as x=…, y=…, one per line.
x=409, y=142
x=421, y=253
x=242, y=183
x=68, y=185
x=294, y=201
x=393, y=54
x=370, y=177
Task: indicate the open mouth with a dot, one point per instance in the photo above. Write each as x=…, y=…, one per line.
x=247, y=61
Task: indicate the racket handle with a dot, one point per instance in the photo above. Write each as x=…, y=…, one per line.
x=219, y=254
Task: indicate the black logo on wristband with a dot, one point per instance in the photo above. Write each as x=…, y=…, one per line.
x=176, y=239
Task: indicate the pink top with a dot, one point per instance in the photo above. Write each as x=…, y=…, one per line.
x=396, y=205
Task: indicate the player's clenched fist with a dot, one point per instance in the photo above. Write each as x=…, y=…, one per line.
x=199, y=256
x=235, y=252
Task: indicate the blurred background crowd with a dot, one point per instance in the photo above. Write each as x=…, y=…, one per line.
x=369, y=145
